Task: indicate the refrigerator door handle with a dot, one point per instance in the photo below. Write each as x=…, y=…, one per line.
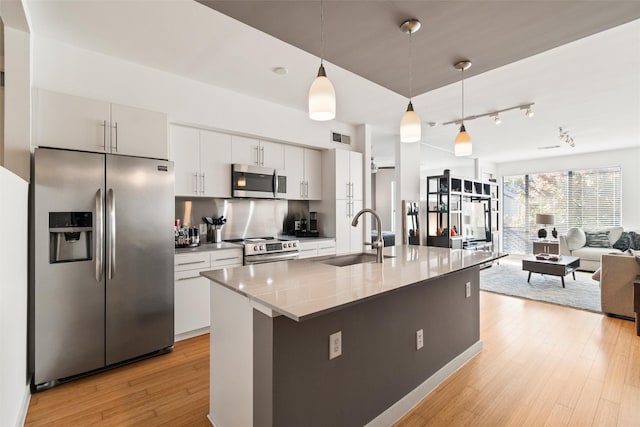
x=99, y=239
x=111, y=207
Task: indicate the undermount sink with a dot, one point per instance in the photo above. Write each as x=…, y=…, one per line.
x=345, y=260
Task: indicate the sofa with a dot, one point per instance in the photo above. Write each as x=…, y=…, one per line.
x=616, y=276
x=590, y=245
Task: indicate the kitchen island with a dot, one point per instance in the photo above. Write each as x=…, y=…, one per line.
x=277, y=358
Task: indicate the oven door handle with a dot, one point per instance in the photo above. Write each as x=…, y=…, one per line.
x=261, y=259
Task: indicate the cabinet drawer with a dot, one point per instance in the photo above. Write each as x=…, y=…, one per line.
x=226, y=258
x=308, y=250
x=191, y=301
x=195, y=261
x=327, y=248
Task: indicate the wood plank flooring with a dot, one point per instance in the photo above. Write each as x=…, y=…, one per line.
x=542, y=365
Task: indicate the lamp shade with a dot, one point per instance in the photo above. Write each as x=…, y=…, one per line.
x=410, y=126
x=462, y=146
x=322, y=98
x=545, y=219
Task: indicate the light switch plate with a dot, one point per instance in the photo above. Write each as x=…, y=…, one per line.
x=335, y=345
x=468, y=289
x=419, y=339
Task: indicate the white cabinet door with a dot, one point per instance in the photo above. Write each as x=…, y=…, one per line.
x=357, y=240
x=192, y=301
x=66, y=121
x=272, y=155
x=313, y=174
x=355, y=173
x=245, y=151
x=294, y=170
x=215, y=164
x=138, y=132
x=185, y=153
x=343, y=176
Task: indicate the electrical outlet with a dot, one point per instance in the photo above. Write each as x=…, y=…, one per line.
x=335, y=345
x=468, y=286
x=419, y=339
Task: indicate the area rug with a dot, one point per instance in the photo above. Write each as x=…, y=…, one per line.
x=508, y=278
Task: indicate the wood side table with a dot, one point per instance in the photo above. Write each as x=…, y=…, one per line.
x=636, y=303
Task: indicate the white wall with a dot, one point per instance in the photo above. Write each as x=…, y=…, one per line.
x=628, y=160
x=68, y=69
x=384, y=178
x=14, y=389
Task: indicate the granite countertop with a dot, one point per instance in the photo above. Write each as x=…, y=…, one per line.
x=204, y=247
x=302, y=289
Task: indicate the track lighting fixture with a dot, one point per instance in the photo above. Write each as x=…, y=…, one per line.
x=410, y=125
x=495, y=115
x=322, y=96
x=529, y=111
x=496, y=118
x=564, y=136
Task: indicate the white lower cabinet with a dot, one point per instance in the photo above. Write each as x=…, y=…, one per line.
x=310, y=249
x=192, y=301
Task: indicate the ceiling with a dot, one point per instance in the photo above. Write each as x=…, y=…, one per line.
x=578, y=61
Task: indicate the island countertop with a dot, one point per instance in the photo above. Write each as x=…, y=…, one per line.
x=303, y=289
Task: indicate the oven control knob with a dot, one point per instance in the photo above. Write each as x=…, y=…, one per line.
x=262, y=247
x=294, y=244
x=288, y=245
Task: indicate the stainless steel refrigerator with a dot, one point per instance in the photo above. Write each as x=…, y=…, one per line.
x=102, y=250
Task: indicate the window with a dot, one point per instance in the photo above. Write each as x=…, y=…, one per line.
x=584, y=198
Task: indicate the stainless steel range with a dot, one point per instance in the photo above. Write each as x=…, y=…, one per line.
x=260, y=250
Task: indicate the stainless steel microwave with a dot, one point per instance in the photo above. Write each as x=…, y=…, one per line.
x=257, y=182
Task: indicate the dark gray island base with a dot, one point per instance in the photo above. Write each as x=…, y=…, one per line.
x=269, y=369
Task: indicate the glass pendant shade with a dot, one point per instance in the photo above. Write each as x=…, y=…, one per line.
x=322, y=98
x=410, y=126
x=462, y=145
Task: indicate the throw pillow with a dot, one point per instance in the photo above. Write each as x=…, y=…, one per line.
x=624, y=242
x=597, y=239
x=575, y=238
x=634, y=240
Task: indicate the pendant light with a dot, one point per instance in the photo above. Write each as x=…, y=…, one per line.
x=322, y=96
x=410, y=126
x=462, y=146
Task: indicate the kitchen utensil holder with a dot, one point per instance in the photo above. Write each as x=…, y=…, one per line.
x=217, y=235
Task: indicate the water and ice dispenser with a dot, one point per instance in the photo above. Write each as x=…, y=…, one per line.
x=70, y=236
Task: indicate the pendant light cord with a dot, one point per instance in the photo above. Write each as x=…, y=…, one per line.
x=321, y=32
x=410, y=66
x=462, y=70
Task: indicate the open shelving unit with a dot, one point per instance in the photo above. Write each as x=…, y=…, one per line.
x=462, y=213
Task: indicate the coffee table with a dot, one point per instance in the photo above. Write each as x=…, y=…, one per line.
x=563, y=266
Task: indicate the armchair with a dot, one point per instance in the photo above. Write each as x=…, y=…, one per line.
x=617, y=274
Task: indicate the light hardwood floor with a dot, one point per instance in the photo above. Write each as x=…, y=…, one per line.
x=542, y=364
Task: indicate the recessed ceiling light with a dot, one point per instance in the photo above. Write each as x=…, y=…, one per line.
x=281, y=71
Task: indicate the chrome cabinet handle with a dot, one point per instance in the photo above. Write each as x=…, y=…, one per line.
x=301, y=189
x=111, y=207
x=195, y=182
x=189, y=278
x=257, y=155
x=262, y=156
x=116, y=140
x=227, y=259
x=189, y=263
x=202, y=189
x=104, y=135
x=99, y=235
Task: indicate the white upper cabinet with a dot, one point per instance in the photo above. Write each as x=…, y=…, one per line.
x=313, y=174
x=202, y=162
x=138, y=132
x=215, y=163
x=185, y=153
x=303, y=168
x=67, y=121
x=251, y=151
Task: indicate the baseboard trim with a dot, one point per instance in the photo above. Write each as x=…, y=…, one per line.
x=26, y=399
x=191, y=334
x=408, y=402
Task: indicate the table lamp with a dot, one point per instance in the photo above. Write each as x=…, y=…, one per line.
x=544, y=219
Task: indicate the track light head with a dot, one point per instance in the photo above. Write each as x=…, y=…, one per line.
x=496, y=119
x=529, y=112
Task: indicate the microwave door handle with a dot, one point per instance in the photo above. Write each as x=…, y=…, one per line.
x=99, y=239
x=275, y=183
x=111, y=207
